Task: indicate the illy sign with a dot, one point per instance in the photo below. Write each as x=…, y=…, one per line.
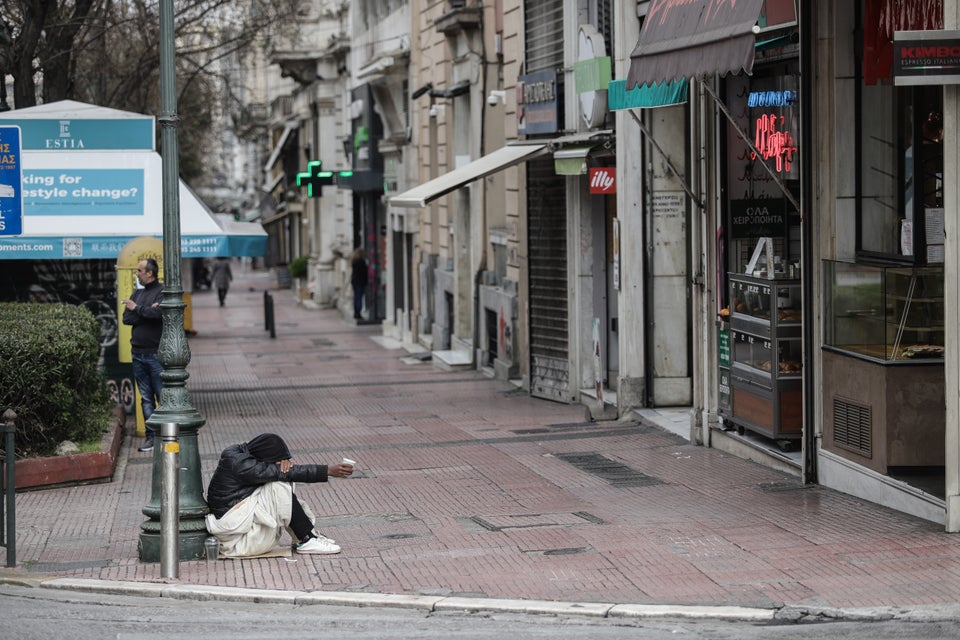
x=603, y=180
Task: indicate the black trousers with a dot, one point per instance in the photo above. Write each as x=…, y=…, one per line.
x=299, y=521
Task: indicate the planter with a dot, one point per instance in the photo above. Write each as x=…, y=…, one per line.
x=81, y=467
x=302, y=289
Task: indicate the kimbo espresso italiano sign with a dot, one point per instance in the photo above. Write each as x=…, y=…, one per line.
x=926, y=57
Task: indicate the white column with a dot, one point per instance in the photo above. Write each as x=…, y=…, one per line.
x=951, y=202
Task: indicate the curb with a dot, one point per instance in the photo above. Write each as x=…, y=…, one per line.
x=787, y=614
x=427, y=604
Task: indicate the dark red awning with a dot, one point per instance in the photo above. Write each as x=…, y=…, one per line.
x=691, y=38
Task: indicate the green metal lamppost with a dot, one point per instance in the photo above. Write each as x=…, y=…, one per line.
x=174, y=352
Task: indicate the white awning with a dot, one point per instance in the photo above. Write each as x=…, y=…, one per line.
x=272, y=160
x=499, y=160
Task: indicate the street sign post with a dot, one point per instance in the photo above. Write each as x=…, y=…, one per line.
x=11, y=182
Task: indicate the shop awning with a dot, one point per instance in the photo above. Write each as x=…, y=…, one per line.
x=646, y=96
x=694, y=38
x=499, y=160
x=570, y=152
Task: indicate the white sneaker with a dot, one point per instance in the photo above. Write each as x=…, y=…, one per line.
x=320, y=536
x=318, y=546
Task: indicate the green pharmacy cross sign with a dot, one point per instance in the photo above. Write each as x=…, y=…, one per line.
x=314, y=179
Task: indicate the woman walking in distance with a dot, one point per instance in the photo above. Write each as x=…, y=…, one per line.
x=222, y=275
x=358, y=278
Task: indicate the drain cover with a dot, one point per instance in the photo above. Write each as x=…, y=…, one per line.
x=616, y=473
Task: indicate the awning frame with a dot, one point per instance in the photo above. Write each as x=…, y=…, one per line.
x=278, y=148
x=504, y=157
x=666, y=158
x=749, y=142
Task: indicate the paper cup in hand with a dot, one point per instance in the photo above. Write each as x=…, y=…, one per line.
x=348, y=461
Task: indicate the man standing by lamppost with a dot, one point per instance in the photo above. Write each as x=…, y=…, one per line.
x=143, y=314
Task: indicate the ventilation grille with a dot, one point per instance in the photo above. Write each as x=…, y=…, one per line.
x=852, y=426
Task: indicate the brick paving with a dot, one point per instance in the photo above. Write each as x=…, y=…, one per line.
x=465, y=486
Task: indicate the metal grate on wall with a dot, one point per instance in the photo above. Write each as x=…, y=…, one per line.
x=544, y=34
x=547, y=245
x=852, y=426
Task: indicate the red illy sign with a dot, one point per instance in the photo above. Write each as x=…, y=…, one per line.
x=603, y=180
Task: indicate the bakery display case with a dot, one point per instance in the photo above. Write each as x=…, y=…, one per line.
x=767, y=354
x=888, y=314
x=883, y=370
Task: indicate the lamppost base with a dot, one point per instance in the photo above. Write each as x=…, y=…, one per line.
x=190, y=536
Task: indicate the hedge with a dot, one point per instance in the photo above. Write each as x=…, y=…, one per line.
x=49, y=375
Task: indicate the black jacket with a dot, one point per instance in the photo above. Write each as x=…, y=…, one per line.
x=238, y=475
x=358, y=272
x=146, y=319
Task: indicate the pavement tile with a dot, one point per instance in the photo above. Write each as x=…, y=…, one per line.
x=462, y=499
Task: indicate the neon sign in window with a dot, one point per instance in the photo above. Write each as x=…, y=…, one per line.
x=772, y=141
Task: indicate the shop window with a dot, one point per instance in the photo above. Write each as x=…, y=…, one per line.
x=765, y=106
x=899, y=142
x=900, y=174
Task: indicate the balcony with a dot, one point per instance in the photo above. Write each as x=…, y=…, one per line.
x=459, y=18
x=281, y=107
x=251, y=119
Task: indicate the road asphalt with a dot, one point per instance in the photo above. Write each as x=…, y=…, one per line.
x=471, y=495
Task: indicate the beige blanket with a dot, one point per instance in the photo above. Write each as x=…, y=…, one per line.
x=254, y=525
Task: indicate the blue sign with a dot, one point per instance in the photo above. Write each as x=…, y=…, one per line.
x=11, y=196
x=83, y=192
x=538, y=103
x=108, y=247
x=85, y=134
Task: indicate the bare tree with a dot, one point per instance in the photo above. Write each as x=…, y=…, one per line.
x=106, y=52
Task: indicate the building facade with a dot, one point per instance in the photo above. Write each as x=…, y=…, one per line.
x=757, y=226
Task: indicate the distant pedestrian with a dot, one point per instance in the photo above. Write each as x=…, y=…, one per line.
x=359, y=279
x=222, y=276
x=143, y=314
x=252, y=500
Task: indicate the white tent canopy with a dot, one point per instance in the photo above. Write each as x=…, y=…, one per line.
x=85, y=198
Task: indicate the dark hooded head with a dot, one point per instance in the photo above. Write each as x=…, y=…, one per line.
x=268, y=447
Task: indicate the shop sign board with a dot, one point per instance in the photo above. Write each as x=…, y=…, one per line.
x=11, y=180
x=86, y=134
x=538, y=103
x=723, y=345
x=926, y=57
x=724, y=393
x=758, y=218
x=603, y=180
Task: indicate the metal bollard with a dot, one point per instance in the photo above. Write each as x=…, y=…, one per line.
x=266, y=311
x=170, y=500
x=270, y=318
x=8, y=531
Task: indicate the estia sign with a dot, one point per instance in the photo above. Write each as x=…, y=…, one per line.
x=75, y=134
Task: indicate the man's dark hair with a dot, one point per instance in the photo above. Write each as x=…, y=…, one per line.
x=152, y=267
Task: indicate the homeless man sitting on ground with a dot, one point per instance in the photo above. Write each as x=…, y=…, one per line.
x=251, y=499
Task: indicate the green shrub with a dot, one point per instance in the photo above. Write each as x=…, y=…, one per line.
x=49, y=375
x=298, y=267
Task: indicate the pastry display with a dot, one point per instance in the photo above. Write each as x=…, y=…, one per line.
x=922, y=351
